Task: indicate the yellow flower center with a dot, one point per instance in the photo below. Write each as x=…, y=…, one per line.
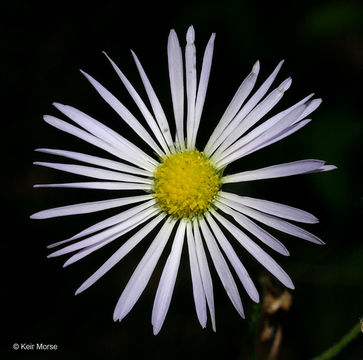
x=185, y=184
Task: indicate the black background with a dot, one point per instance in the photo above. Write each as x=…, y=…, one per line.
x=43, y=46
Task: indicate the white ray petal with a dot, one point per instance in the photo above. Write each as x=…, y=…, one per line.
x=275, y=171
x=89, y=207
x=260, y=255
x=267, y=125
x=175, y=64
x=260, y=134
x=254, y=229
x=103, y=132
x=275, y=222
x=305, y=101
x=90, y=249
x=116, y=219
x=124, y=215
x=92, y=125
x=143, y=272
x=96, y=173
x=121, y=253
x=238, y=99
x=91, y=139
x=167, y=281
x=204, y=272
x=198, y=291
x=234, y=260
x=141, y=105
x=241, y=124
x=95, y=160
x=203, y=85
x=101, y=185
x=124, y=113
x=273, y=208
x=105, y=234
x=327, y=168
x=155, y=104
x=222, y=268
x=251, y=103
x=272, y=139
x=260, y=93
x=191, y=83
x=311, y=106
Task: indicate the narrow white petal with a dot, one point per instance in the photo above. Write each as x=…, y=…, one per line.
x=103, y=132
x=272, y=130
x=311, y=106
x=102, y=185
x=91, y=139
x=275, y=171
x=235, y=261
x=268, y=123
x=260, y=93
x=272, y=139
x=167, y=281
x=232, y=109
x=260, y=255
x=141, y=105
x=95, y=160
x=175, y=64
x=273, y=208
x=143, y=272
x=121, y=253
x=116, y=219
x=243, y=123
x=89, y=207
x=254, y=229
x=251, y=103
x=104, y=235
x=155, y=104
x=198, y=291
x=274, y=120
x=124, y=215
x=204, y=272
x=262, y=90
x=203, y=85
x=92, y=125
x=275, y=222
x=191, y=84
x=90, y=249
x=222, y=268
x=124, y=113
x=259, y=135
x=96, y=173
x=327, y=168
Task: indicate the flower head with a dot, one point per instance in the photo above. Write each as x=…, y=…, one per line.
x=179, y=188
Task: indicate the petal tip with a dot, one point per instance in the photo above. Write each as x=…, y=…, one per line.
x=35, y=216
x=78, y=291
x=190, y=35
x=285, y=85
x=256, y=67
x=290, y=285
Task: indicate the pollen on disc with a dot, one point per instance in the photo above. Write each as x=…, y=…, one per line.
x=185, y=184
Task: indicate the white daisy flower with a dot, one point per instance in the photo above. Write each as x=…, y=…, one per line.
x=180, y=188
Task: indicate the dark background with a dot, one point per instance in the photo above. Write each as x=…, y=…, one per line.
x=43, y=46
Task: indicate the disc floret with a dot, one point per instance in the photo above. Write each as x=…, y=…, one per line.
x=186, y=184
